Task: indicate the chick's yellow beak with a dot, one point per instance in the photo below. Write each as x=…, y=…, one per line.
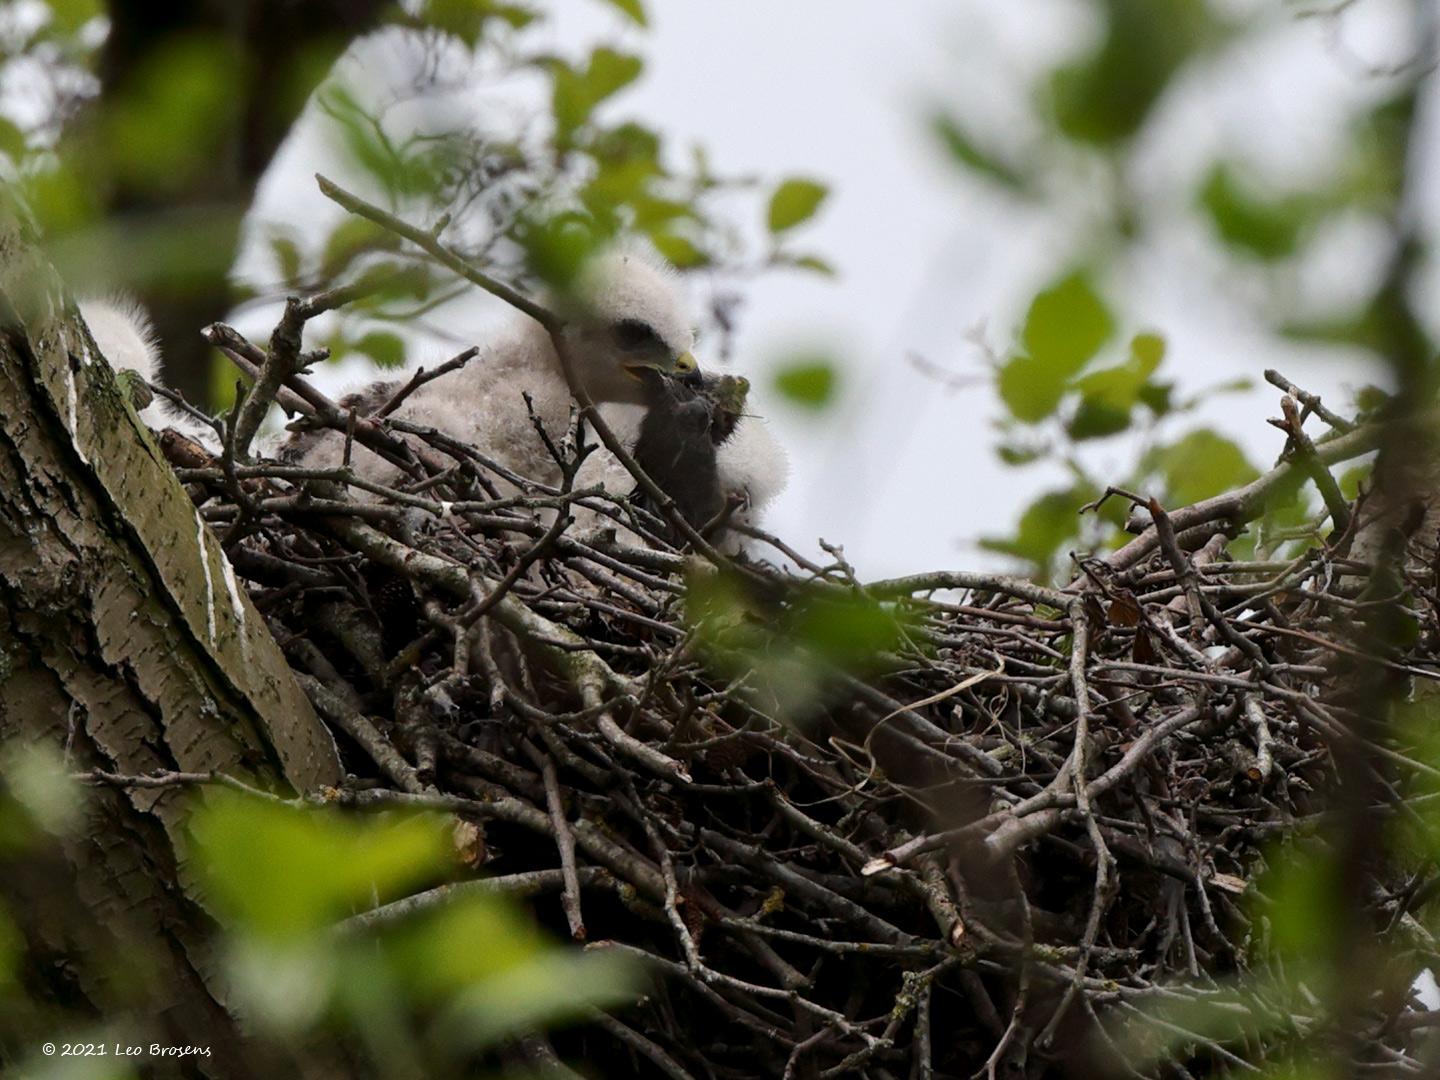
x=681, y=365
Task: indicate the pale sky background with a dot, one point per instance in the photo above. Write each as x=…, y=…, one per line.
x=903, y=472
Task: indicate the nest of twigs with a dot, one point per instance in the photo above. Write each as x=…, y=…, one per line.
x=1026, y=820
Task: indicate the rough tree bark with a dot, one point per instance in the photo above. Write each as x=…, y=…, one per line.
x=126, y=641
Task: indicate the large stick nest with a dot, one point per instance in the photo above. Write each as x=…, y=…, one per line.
x=937, y=826
x=1030, y=810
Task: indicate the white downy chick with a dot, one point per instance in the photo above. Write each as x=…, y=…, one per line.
x=625, y=316
x=126, y=337
x=754, y=466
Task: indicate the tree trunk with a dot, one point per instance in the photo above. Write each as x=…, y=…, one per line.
x=294, y=45
x=126, y=641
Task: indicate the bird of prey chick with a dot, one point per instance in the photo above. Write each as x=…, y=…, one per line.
x=624, y=318
x=629, y=335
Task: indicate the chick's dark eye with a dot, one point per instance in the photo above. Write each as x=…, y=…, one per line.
x=633, y=335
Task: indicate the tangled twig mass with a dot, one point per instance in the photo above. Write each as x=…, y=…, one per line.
x=993, y=841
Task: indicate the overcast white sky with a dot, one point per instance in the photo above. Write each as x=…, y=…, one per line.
x=903, y=474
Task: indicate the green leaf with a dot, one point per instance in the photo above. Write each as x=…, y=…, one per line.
x=1362, y=329
x=1046, y=525
x=849, y=633
x=1306, y=899
x=1030, y=389
x=678, y=251
x=575, y=93
x=172, y=120
x=1096, y=419
x=282, y=871
x=1266, y=228
x=36, y=779
x=68, y=16
x=1351, y=479
x=1105, y=96
x=795, y=201
x=814, y=263
x=1198, y=465
x=1067, y=324
x=1016, y=454
x=1108, y=395
x=555, y=987
x=1157, y=397
x=634, y=9
x=351, y=238
x=12, y=141
x=466, y=19
x=557, y=248
x=287, y=256
x=386, y=349
x=811, y=382
x=963, y=149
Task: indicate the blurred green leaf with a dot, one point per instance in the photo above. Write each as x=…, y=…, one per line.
x=61, y=200
x=814, y=263
x=1030, y=389
x=170, y=120
x=810, y=381
x=964, y=149
x=1198, y=465
x=1157, y=397
x=351, y=238
x=557, y=248
x=1046, y=525
x=576, y=92
x=1067, y=323
x=1108, y=395
x=12, y=141
x=1019, y=453
x=1105, y=97
x=1352, y=478
x=36, y=778
x=1374, y=172
x=1094, y=418
x=283, y=985
x=282, y=871
x=461, y=944
x=555, y=988
x=849, y=633
x=408, y=167
x=1267, y=228
x=632, y=8
x=1360, y=329
x=385, y=348
x=1304, y=901
x=1064, y=328
x=466, y=19
x=12, y=949
x=287, y=256
x=678, y=251
x=68, y=16
x=795, y=201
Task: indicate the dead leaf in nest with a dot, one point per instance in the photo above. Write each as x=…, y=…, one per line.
x=469, y=841
x=1230, y=883
x=1144, y=651
x=1124, y=609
